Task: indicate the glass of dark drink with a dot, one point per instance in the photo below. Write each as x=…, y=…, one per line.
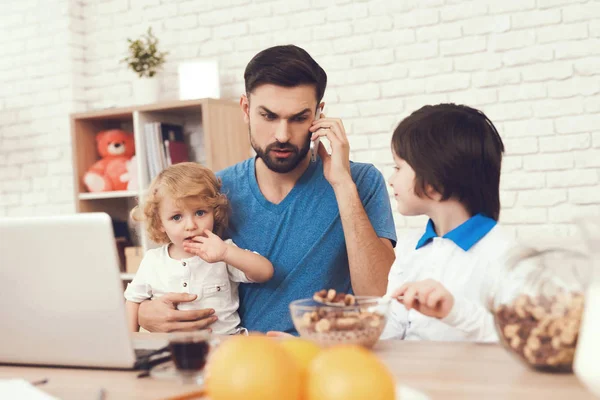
x=189, y=351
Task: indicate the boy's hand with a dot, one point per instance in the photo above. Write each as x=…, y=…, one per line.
x=428, y=297
x=210, y=248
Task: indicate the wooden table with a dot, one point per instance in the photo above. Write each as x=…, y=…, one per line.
x=441, y=370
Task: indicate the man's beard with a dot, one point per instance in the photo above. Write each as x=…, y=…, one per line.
x=278, y=164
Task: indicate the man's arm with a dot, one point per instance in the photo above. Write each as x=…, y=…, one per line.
x=370, y=257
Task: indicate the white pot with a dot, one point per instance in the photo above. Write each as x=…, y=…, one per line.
x=146, y=90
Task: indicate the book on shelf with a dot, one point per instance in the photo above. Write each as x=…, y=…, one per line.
x=176, y=152
x=165, y=146
x=150, y=152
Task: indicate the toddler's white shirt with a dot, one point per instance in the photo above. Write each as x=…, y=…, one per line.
x=215, y=284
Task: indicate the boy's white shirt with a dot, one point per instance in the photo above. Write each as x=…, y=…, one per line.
x=468, y=275
x=215, y=284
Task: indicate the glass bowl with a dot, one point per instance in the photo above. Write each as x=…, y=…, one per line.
x=361, y=323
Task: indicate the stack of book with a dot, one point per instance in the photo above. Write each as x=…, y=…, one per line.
x=164, y=146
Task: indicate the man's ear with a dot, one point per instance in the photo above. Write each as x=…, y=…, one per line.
x=245, y=105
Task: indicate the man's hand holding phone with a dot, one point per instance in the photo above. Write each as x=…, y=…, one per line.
x=336, y=166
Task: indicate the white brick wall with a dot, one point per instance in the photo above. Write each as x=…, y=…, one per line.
x=531, y=65
x=42, y=54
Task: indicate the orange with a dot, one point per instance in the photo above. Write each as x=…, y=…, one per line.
x=349, y=373
x=252, y=368
x=302, y=351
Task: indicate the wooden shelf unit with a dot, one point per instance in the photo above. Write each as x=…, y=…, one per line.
x=215, y=135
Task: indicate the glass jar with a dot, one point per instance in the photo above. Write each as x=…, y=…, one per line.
x=537, y=305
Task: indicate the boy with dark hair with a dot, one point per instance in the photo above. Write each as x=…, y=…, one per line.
x=447, y=166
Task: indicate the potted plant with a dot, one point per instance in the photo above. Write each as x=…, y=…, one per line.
x=145, y=60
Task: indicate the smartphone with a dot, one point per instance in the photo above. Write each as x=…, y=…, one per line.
x=314, y=144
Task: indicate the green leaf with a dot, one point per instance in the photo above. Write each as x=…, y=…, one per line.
x=144, y=57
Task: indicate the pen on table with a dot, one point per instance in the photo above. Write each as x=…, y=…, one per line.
x=40, y=382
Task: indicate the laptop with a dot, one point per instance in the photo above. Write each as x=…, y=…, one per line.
x=61, y=293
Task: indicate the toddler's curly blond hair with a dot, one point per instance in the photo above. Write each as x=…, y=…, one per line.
x=190, y=183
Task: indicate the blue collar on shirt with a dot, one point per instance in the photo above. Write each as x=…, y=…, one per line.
x=465, y=235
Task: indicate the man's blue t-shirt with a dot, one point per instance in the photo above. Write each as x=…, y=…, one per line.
x=302, y=236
